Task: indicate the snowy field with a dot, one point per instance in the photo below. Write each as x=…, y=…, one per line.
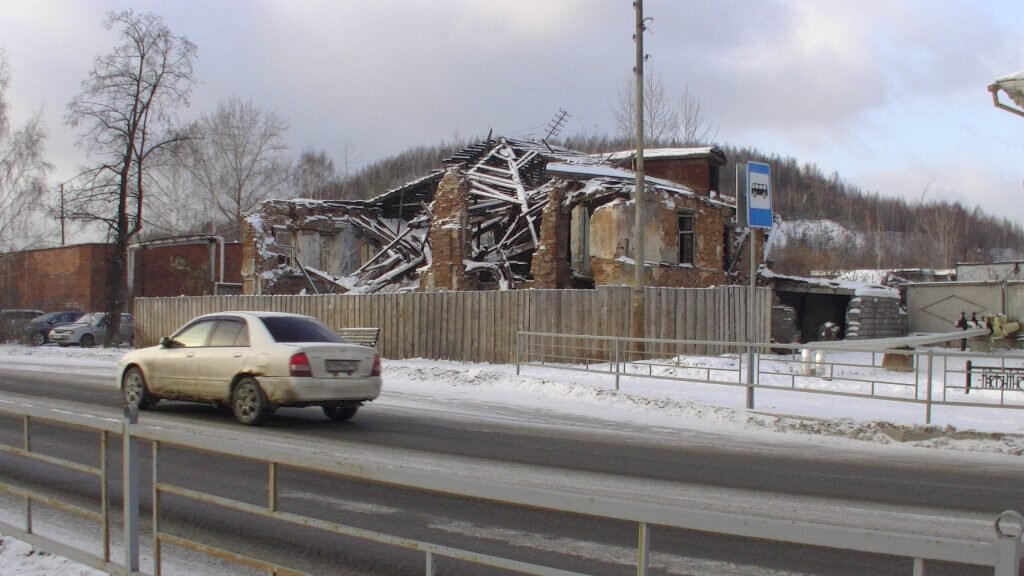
x=566, y=398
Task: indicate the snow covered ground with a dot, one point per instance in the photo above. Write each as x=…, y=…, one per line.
x=473, y=390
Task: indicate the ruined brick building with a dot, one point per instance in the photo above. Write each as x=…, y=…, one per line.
x=507, y=214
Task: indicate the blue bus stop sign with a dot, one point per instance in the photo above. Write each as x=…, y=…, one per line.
x=759, y=195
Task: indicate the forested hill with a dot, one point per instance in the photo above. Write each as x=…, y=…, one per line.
x=878, y=231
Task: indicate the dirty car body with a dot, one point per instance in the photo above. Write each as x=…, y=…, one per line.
x=91, y=329
x=254, y=363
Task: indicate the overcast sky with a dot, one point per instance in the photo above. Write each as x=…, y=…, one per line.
x=891, y=94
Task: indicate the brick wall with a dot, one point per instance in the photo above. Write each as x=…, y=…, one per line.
x=184, y=269
x=449, y=242
x=613, y=226
x=75, y=277
x=696, y=173
x=875, y=317
x=70, y=277
x=550, y=265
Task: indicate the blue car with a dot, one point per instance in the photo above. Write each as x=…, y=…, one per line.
x=37, y=330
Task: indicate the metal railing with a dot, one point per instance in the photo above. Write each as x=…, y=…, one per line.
x=32, y=498
x=1000, y=552
x=928, y=378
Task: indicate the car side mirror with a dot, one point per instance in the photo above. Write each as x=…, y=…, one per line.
x=166, y=342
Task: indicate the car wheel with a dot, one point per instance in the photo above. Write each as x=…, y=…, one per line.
x=38, y=339
x=87, y=341
x=133, y=388
x=249, y=403
x=340, y=413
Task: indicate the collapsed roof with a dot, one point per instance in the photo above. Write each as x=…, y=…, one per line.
x=508, y=184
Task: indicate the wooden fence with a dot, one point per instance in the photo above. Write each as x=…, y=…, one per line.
x=482, y=326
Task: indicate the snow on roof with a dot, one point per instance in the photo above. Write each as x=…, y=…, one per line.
x=857, y=288
x=653, y=153
x=595, y=171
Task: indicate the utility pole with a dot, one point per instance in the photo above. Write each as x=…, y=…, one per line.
x=62, y=214
x=638, y=300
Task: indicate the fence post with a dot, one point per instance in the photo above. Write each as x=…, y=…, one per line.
x=928, y=385
x=616, y=360
x=750, y=375
x=130, y=479
x=1008, y=543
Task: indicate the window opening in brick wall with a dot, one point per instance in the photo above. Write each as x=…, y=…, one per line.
x=686, y=237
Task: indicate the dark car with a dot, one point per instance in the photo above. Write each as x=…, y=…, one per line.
x=12, y=320
x=37, y=330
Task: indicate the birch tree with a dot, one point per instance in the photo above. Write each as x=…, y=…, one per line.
x=660, y=117
x=126, y=112
x=237, y=157
x=22, y=172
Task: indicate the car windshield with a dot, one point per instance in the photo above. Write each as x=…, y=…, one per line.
x=296, y=329
x=91, y=318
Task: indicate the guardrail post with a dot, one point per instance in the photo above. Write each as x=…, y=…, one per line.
x=429, y=568
x=643, y=550
x=919, y=569
x=1008, y=543
x=928, y=385
x=130, y=478
x=27, y=445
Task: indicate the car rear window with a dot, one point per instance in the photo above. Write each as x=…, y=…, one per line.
x=291, y=329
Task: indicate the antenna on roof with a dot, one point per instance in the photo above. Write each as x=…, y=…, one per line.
x=556, y=125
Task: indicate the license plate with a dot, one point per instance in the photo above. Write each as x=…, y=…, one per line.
x=346, y=366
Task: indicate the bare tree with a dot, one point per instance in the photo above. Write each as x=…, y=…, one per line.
x=237, y=158
x=694, y=127
x=661, y=123
x=126, y=109
x=175, y=204
x=313, y=176
x=22, y=172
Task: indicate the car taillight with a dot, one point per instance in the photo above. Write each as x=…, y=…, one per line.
x=298, y=365
x=376, y=365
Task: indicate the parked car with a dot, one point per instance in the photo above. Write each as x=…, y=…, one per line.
x=91, y=329
x=37, y=330
x=254, y=363
x=11, y=321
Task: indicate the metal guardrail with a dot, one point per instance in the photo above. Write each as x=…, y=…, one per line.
x=29, y=416
x=929, y=378
x=1001, y=552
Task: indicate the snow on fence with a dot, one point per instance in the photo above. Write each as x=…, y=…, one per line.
x=929, y=377
x=482, y=326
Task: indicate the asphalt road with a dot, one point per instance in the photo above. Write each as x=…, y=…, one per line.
x=694, y=461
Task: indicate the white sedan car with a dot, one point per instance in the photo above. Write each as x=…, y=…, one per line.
x=254, y=362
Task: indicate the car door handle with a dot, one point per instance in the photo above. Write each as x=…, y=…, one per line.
x=238, y=354
x=190, y=354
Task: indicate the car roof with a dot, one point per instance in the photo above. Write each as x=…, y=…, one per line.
x=254, y=314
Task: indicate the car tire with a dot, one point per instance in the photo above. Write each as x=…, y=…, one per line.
x=340, y=413
x=87, y=341
x=248, y=402
x=134, y=389
x=38, y=338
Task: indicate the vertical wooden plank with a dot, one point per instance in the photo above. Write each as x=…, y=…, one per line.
x=488, y=304
x=473, y=324
x=408, y=324
x=441, y=315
